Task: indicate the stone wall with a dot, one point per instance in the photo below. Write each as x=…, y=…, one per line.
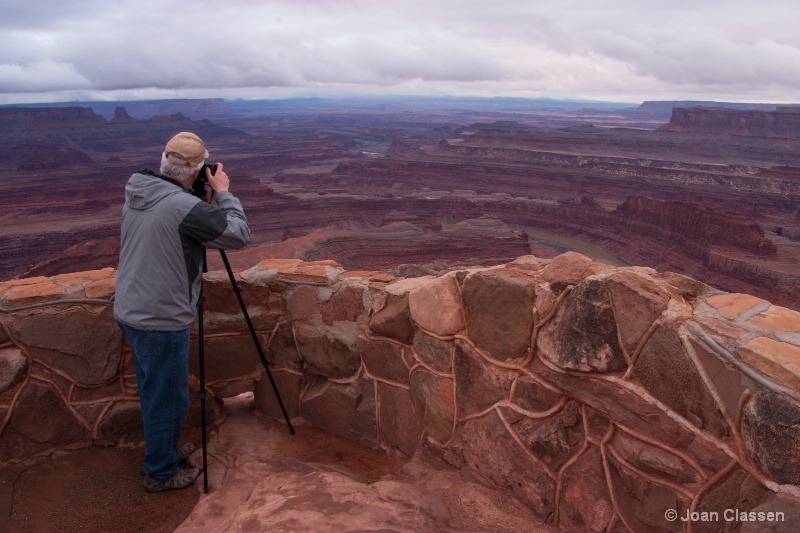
x=601, y=397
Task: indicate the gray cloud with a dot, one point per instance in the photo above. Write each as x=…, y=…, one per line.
x=611, y=49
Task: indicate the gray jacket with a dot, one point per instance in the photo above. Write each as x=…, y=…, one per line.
x=164, y=229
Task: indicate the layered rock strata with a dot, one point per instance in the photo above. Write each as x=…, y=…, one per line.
x=603, y=398
x=782, y=122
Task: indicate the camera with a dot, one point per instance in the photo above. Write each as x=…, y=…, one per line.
x=199, y=185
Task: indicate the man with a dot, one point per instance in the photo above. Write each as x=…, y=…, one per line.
x=164, y=231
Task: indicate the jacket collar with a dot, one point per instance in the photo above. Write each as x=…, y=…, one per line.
x=148, y=172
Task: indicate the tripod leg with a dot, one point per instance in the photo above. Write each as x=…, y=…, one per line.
x=202, y=392
x=238, y=291
x=201, y=361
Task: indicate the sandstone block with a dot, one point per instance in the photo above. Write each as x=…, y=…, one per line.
x=436, y=306
x=531, y=396
x=637, y=303
x=312, y=271
x=76, y=278
x=771, y=434
x=346, y=304
x=433, y=398
x=302, y=303
x=434, y=352
x=225, y=358
x=122, y=421
x=642, y=503
x=597, y=426
x=585, y=502
x=397, y=421
x=779, y=360
x=344, y=410
x=528, y=263
x=498, y=307
x=731, y=305
x=491, y=454
x=98, y=393
x=724, y=331
x=24, y=281
x=216, y=324
x=726, y=379
x=83, y=343
x=29, y=294
x=583, y=334
x=775, y=503
x=664, y=368
x=569, y=268
x=545, y=301
x=102, y=288
x=277, y=264
x=708, y=455
x=394, y=320
x=686, y=287
x=554, y=439
x=736, y=491
x=221, y=296
x=13, y=368
x=618, y=404
x=652, y=460
x=385, y=360
x=40, y=421
x=777, y=318
x=289, y=387
x=479, y=384
x=282, y=352
x=325, y=355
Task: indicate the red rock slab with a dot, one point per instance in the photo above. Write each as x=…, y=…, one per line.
x=38, y=292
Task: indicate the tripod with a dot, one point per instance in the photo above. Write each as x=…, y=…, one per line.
x=201, y=357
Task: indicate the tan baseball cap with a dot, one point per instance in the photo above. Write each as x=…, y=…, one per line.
x=186, y=148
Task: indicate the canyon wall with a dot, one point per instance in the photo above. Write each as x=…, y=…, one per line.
x=782, y=122
x=600, y=397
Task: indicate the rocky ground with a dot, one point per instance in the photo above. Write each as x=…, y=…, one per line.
x=260, y=478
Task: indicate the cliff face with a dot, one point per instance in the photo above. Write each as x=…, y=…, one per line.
x=16, y=117
x=52, y=138
x=663, y=109
x=704, y=226
x=613, y=395
x=198, y=109
x=783, y=122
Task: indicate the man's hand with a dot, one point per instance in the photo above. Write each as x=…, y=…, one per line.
x=219, y=182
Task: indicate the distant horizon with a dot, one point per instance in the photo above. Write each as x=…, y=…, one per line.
x=398, y=97
x=616, y=51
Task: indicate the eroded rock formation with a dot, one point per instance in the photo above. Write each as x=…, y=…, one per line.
x=784, y=121
x=599, y=397
x=383, y=190
x=702, y=227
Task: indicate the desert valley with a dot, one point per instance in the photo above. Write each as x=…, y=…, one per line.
x=417, y=186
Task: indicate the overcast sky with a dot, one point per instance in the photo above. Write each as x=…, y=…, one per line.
x=615, y=50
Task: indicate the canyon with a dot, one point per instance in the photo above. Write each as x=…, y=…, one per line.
x=392, y=242
x=415, y=186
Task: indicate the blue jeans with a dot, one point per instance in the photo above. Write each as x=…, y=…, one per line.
x=162, y=378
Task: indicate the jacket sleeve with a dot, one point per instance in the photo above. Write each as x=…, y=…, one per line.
x=224, y=227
